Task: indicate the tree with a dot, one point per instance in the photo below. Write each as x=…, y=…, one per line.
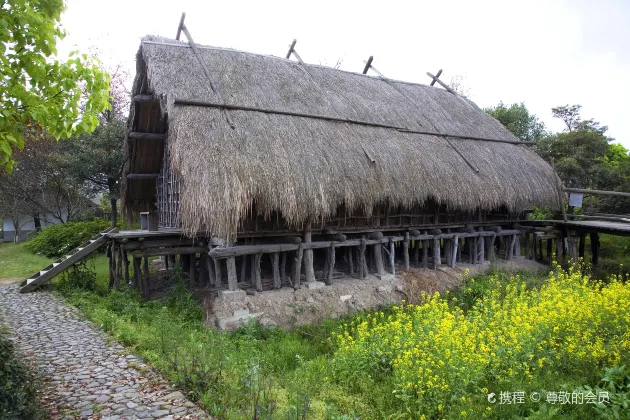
x=519, y=121
x=97, y=158
x=39, y=92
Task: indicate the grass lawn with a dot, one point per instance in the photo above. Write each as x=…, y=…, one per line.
x=16, y=261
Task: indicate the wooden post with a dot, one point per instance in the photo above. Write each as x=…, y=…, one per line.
x=362, y=262
x=437, y=259
x=309, y=270
x=459, y=250
x=203, y=272
x=406, y=250
x=416, y=253
x=331, y=264
x=146, y=286
x=392, y=256
x=425, y=254
x=283, y=267
x=185, y=262
x=252, y=270
x=448, y=250
x=212, y=280
x=559, y=249
x=231, y=273
x=517, y=246
x=349, y=251
x=472, y=245
x=277, y=281
x=297, y=267
x=110, y=260
x=581, y=245
x=493, y=250
x=454, y=251
x=595, y=247
x=137, y=279
x=258, y=275
x=244, y=268
x=527, y=245
x=573, y=247
x=550, y=249
x=192, y=267
x=126, y=262
x=219, y=273
x=378, y=259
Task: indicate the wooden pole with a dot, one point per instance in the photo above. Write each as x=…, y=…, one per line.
x=425, y=254
x=297, y=267
x=416, y=253
x=277, y=281
x=454, y=251
x=392, y=256
x=331, y=264
x=203, y=272
x=595, y=247
x=283, y=267
x=559, y=249
x=309, y=270
x=212, y=280
x=581, y=245
x=192, y=267
x=219, y=273
x=146, y=287
x=517, y=246
x=258, y=274
x=406, y=250
x=437, y=259
x=362, y=262
x=137, y=274
x=231, y=273
x=349, y=251
x=243, y=268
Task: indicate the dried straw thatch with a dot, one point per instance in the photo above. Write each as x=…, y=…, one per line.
x=307, y=167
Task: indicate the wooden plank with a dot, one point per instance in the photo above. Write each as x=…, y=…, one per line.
x=152, y=252
x=597, y=192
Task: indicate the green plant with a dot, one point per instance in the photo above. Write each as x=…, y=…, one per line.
x=615, y=385
x=18, y=386
x=57, y=240
x=79, y=276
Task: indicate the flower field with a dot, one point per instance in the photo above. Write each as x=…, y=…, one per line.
x=444, y=356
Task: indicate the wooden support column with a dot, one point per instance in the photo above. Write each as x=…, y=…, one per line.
x=277, y=280
x=406, y=250
x=231, y=273
x=425, y=254
x=517, y=246
x=472, y=254
x=203, y=272
x=550, y=249
x=146, y=281
x=437, y=258
x=378, y=259
x=331, y=264
x=362, y=262
x=192, y=267
x=283, y=268
x=392, y=256
x=481, y=247
x=573, y=248
x=110, y=260
x=309, y=270
x=416, y=253
x=454, y=250
x=243, y=277
x=126, y=262
x=212, y=279
x=137, y=274
x=595, y=247
x=297, y=267
x=527, y=245
x=218, y=272
x=258, y=276
x=581, y=246
x=448, y=250
x=349, y=251
x=252, y=270
x=559, y=249
x=185, y=262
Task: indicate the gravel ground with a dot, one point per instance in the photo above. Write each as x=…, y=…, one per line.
x=87, y=375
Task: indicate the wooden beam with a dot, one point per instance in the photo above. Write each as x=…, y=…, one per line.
x=291, y=47
x=368, y=64
x=180, y=26
x=186, y=102
x=147, y=136
x=441, y=83
x=437, y=76
x=142, y=176
x=145, y=98
x=596, y=192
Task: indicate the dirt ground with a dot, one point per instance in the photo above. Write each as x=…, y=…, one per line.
x=10, y=280
x=287, y=308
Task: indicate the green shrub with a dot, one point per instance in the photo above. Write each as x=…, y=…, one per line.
x=18, y=387
x=57, y=240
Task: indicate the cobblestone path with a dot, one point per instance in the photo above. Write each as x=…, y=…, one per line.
x=89, y=377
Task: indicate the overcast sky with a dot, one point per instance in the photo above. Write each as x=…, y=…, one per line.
x=544, y=53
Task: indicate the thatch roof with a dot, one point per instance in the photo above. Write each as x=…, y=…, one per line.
x=307, y=167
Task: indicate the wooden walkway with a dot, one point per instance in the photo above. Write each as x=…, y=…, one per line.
x=586, y=226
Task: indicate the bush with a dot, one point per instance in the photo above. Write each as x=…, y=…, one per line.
x=57, y=240
x=18, y=387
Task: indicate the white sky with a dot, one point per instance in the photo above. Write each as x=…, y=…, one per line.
x=543, y=53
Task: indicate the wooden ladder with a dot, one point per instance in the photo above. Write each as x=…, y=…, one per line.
x=77, y=254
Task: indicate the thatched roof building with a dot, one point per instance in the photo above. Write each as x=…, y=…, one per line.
x=304, y=140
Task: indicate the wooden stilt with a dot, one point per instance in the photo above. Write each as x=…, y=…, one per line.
x=459, y=250
x=231, y=273
x=203, y=272
x=448, y=251
x=377, y=256
x=362, y=263
x=252, y=270
x=455, y=247
x=309, y=269
x=119, y=268
x=331, y=264
x=283, y=268
x=219, y=273
x=527, y=245
x=212, y=279
x=258, y=274
x=137, y=273
x=437, y=259
x=492, y=247
x=126, y=262
x=581, y=245
x=297, y=267
x=277, y=281
x=416, y=253
x=392, y=256
x=406, y=250
x=146, y=282
x=110, y=260
x=471, y=250
x=595, y=248
x=425, y=254
x=350, y=250
x=549, y=249
x=243, y=277
x=185, y=263
x=192, y=267
x=559, y=249
x=517, y=246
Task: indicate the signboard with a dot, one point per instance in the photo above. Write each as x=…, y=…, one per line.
x=575, y=199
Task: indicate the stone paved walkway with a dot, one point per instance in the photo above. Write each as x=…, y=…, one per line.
x=94, y=377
